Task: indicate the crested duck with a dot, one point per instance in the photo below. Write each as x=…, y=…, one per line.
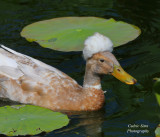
x=27, y=80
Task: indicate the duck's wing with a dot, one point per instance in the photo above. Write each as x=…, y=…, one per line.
x=9, y=67
x=15, y=65
x=28, y=80
x=31, y=61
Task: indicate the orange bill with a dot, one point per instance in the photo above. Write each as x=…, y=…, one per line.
x=123, y=76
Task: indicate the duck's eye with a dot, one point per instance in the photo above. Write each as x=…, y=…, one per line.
x=101, y=60
x=119, y=70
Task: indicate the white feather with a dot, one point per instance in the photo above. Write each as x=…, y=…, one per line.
x=95, y=44
x=41, y=64
x=6, y=61
x=91, y=86
x=10, y=72
x=9, y=67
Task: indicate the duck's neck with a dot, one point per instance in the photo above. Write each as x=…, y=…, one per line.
x=93, y=96
x=91, y=80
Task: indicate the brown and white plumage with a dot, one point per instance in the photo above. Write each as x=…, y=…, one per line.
x=28, y=80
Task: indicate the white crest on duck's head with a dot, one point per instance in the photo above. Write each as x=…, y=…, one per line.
x=95, y=44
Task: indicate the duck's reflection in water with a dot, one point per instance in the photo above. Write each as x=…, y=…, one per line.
x=88, y=124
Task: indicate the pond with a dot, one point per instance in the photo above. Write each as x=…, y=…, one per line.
x=126, y=107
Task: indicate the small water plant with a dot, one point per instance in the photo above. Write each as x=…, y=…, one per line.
x=156, y=88
x=157, y=131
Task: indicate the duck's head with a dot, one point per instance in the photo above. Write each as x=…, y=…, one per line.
x=97, y=53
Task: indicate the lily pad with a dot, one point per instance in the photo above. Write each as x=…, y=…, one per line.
x=69, y=33
x=29, y=120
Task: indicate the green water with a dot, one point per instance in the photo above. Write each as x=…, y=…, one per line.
x=125, y=104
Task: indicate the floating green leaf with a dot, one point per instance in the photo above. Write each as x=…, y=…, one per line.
x=156, y=88
x=69, y=33
x=29, y=120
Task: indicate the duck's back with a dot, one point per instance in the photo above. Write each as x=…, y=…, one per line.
x=28, y=80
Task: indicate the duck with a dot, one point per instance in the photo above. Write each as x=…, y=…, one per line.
x=30, y=81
